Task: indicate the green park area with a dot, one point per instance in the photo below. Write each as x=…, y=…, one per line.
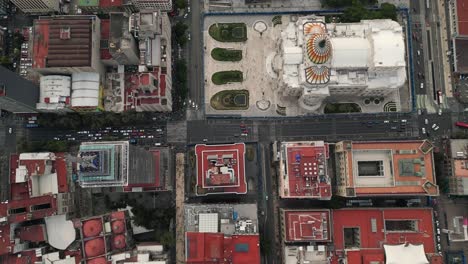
x=230, y=100
x=228, y=32
x=224, y=77
x=221, y=54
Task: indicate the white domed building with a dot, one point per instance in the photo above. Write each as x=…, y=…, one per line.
x=319, y=61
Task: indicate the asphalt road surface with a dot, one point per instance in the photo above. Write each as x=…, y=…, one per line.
x=330, y=128
x=195, y=65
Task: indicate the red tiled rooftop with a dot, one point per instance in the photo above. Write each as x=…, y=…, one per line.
x=92, y=227
x=5, y=246
x=52, y=48
x=310, y=225
x=105, y=29
x=134, y=84
x=462, y=17
x=398, y=184
x=215, y=248
x=210, y=176
x=118, y=242
x=24, y=209
x=35, y=233
x=94, y=247
x=162, y=84
x=60, y=166
x=371, y=241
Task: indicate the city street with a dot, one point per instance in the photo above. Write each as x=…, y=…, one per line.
x=330, y=128
x=195, y=65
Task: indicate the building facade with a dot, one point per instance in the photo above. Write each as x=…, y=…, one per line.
x=458, y=167
x=162, y=5
x=458, y=14
x=37, y=6
x=318, y=61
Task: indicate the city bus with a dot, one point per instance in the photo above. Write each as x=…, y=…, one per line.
x=461, y=124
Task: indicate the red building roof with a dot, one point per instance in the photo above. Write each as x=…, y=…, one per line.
x=400, y=168
x=92, y=227
x=215, y=248
x=62, y=41
x=306, y=167
x=221, y=169
x=307, y=225
x=94, y=247
x=35, y=233
x=462, y=17
x=141, y=91
x=366, y=230
x=110, y=3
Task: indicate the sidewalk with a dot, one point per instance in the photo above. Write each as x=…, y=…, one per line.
x=444, y=47
x=180, y=197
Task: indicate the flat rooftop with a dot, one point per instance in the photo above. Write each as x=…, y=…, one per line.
x=62, y=41
x=215, y=248
x=462, y=17
x=229, y=219
x=369, y=229
x=220, y=169
x=306, y=225
x=391, y=167
x=304, y=169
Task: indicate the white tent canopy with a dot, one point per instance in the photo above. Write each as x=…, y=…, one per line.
x=405, y=254
x=60, y=231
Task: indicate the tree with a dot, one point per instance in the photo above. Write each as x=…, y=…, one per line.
x=388, y=10
x=181, y=4
x=5, y=61
x=355, y=13
x=179, y=33
x=167, y=239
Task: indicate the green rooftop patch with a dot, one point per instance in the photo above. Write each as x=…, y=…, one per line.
x=224, y=77
x=221, y=54
x=228, y=32
x=230, y=100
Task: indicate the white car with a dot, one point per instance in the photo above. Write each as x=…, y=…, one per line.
x=433, y=126
x=426, y=121
x=10, y=130
x=188, y=36
x=188, y=9
x=423, y=130
x=436, y=128
x=186, y=15
x=157, y=144
x=386, y=122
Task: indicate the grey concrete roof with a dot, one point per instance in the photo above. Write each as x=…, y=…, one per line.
x=20, y=90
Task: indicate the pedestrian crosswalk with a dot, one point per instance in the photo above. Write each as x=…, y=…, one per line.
x=423, y=101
